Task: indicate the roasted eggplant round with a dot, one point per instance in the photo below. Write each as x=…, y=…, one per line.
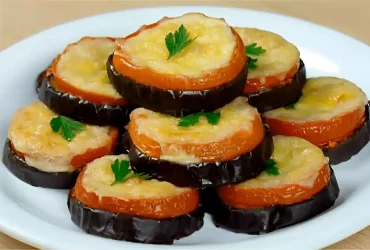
x=297, y=185
x=33, y=176
x=202, y=77
x=343, y=151
x=138, y=210
x=204, y=174
x=199, y=150
x=76, y=84
x=279, y=96
x=82, y=110
x=42, y=144
x=330, y=111
x=265, y=220
x=276, y=73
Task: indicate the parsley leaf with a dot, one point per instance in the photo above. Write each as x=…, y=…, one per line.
x=271, y=168
x=252, y=63
x=178, y=41
x=213, y=118
x=65, y=126
x=251, y=49
x=191, y=120
x=292, y=105
x=122, y=172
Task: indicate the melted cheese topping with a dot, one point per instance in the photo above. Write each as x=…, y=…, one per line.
x=83, y=65
x=98, y=177
x=212, y=49
x=280, y=55
x=323, y=99
x=298, y=161
x=235, y=116
x=31, y=134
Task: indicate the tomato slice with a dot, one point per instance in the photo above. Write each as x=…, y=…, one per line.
x=240, y=143
x=284, y=195
x=95, y=153
x=256, y=84
x=65, y=86
x=168, y=207
x=90, y=155
x=123, y=65
x=320, y=133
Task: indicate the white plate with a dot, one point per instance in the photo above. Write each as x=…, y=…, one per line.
x=40, y=216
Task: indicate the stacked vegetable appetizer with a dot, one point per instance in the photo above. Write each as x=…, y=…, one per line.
x=185, y=116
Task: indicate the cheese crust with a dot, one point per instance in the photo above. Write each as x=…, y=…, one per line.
x=98, y=177
x=323, y=99
x=83, y=65
x=212, y=49
x=280, y=56
x=30, y=134
x=235, y=116
x=298, y=161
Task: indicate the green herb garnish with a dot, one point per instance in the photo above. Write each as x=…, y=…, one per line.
x=122, y=172
x=252, y=63
x=292, y=105
x=191, y=120
x=251, y=49
x=65, y=126
x=179, y=41
x=271, y=168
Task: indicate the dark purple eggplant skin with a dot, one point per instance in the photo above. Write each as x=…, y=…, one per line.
x=119, y=226
x=40, y=78
x=175, y=102
x=265, y=220
x=279, y=96
x=344, y=150
x=205, y=174
x=37, y=178
x=81, y=110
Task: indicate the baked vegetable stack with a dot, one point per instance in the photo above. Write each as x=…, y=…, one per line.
x=180, y=66
x=276, y=73
x=332, y=113
x=297, y=185
x=136, y=208
x=76, y=84
x=48, y=150
x=193, y=129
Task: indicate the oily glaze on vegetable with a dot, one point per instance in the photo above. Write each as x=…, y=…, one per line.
x=176, y=85
x=136, y=203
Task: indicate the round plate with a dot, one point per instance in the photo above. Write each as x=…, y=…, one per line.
x=40, y=216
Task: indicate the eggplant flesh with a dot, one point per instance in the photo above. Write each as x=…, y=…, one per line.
x=344, y=150
x=120, y=226
x=82, y=110
x=279, y=96
x=33, y=176
x=265, y=220
x=205, y=174
x=176, y=102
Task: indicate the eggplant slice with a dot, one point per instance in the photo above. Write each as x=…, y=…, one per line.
x=126, y=227
x=280, y=96
x=176, y=102
x=205, y=174
x=81, y=110
x=344, y=150
x=265, y=220
x=19, y=168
